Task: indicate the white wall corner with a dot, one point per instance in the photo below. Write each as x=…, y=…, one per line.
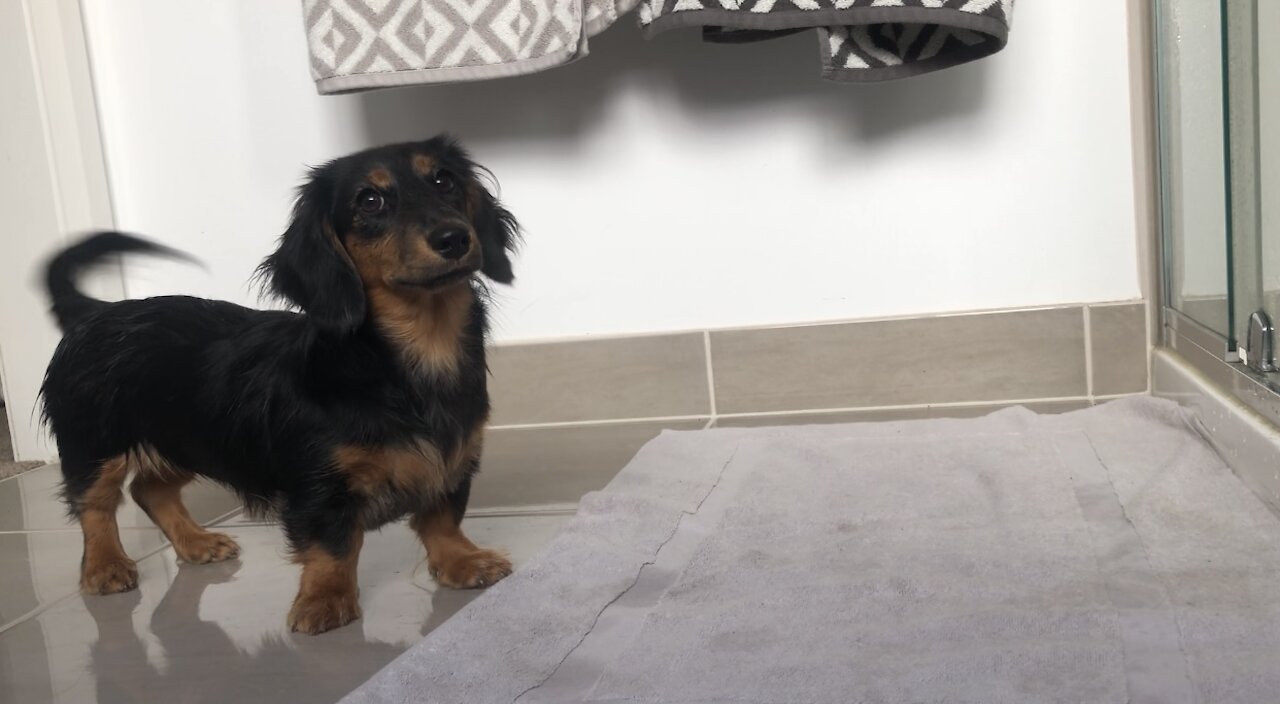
x=54, y=184
x=1146, y=180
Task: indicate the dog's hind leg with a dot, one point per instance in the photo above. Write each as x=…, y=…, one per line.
x=158, y=490
x=104, y=568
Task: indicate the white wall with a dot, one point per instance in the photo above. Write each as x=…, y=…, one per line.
x=663, y=185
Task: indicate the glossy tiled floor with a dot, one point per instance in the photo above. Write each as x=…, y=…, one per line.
x=215, y=633
x=207, y=633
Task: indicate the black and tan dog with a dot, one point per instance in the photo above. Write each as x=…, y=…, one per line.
x=367, y=406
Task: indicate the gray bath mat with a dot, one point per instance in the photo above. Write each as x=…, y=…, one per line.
x=1104, y=556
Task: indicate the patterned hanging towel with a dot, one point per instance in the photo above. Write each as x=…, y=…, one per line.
x=859, y=40
x=366, y=44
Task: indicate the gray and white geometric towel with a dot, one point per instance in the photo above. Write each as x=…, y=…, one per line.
x=859, y=40
x=367, y=44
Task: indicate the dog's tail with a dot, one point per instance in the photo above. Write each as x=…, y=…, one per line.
x=69, y=303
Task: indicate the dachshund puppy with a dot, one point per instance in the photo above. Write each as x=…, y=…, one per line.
x=367, y=406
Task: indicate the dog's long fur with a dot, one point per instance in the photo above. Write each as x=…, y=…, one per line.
x=366, y=406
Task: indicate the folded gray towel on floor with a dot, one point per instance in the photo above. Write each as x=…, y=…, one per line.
x=364, y=44
x=859, y=40
x=1106, y=555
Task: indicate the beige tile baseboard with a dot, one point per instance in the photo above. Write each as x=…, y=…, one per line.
x=1118, y=356
x=565, y=382
x=1044, y=354
x=568, y=415
x=1020, y=354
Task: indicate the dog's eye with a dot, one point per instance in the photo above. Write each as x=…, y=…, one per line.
x=369, y=201
x=444, y=182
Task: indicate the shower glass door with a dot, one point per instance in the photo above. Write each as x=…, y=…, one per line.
x=1218, y=92
x=1251, y=111
x=1190, y=82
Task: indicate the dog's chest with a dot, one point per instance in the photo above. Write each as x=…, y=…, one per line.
x=394, y=480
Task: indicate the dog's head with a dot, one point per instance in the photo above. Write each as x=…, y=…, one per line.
x=412, y=218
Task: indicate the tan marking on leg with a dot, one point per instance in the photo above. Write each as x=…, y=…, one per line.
x=160, y=495
x=453, y=559
x=105, y=568
x=328, y=595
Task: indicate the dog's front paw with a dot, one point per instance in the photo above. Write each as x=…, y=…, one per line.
x=109, y=577
x=205, y=547
x=470, y=570
x=317, y=613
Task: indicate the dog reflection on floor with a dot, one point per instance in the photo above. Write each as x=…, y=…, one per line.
x=202, y=663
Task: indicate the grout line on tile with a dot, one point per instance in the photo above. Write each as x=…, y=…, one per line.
x=711, y=376
x=71, y=529
x=59, y=599
x=811, y=323
x=557, y=509
x=164, y=545
x=1117, y=304
x=588, y=423
x=1088, y=353
x=30, y=614
x=805, y=411
x=225, y=516
x=551, y=509
x=1148, y=311
x=12, y=477
x=905, y=407
x=76, y=531
x=711, y=423
x=1112, y=397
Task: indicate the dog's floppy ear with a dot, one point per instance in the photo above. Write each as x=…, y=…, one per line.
x=311, y=268
x=499, y=234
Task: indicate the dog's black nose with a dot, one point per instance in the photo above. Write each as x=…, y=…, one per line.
x=450, y=243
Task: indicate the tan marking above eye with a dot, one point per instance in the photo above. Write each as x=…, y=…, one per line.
x=380, y=178
x=423, y=165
